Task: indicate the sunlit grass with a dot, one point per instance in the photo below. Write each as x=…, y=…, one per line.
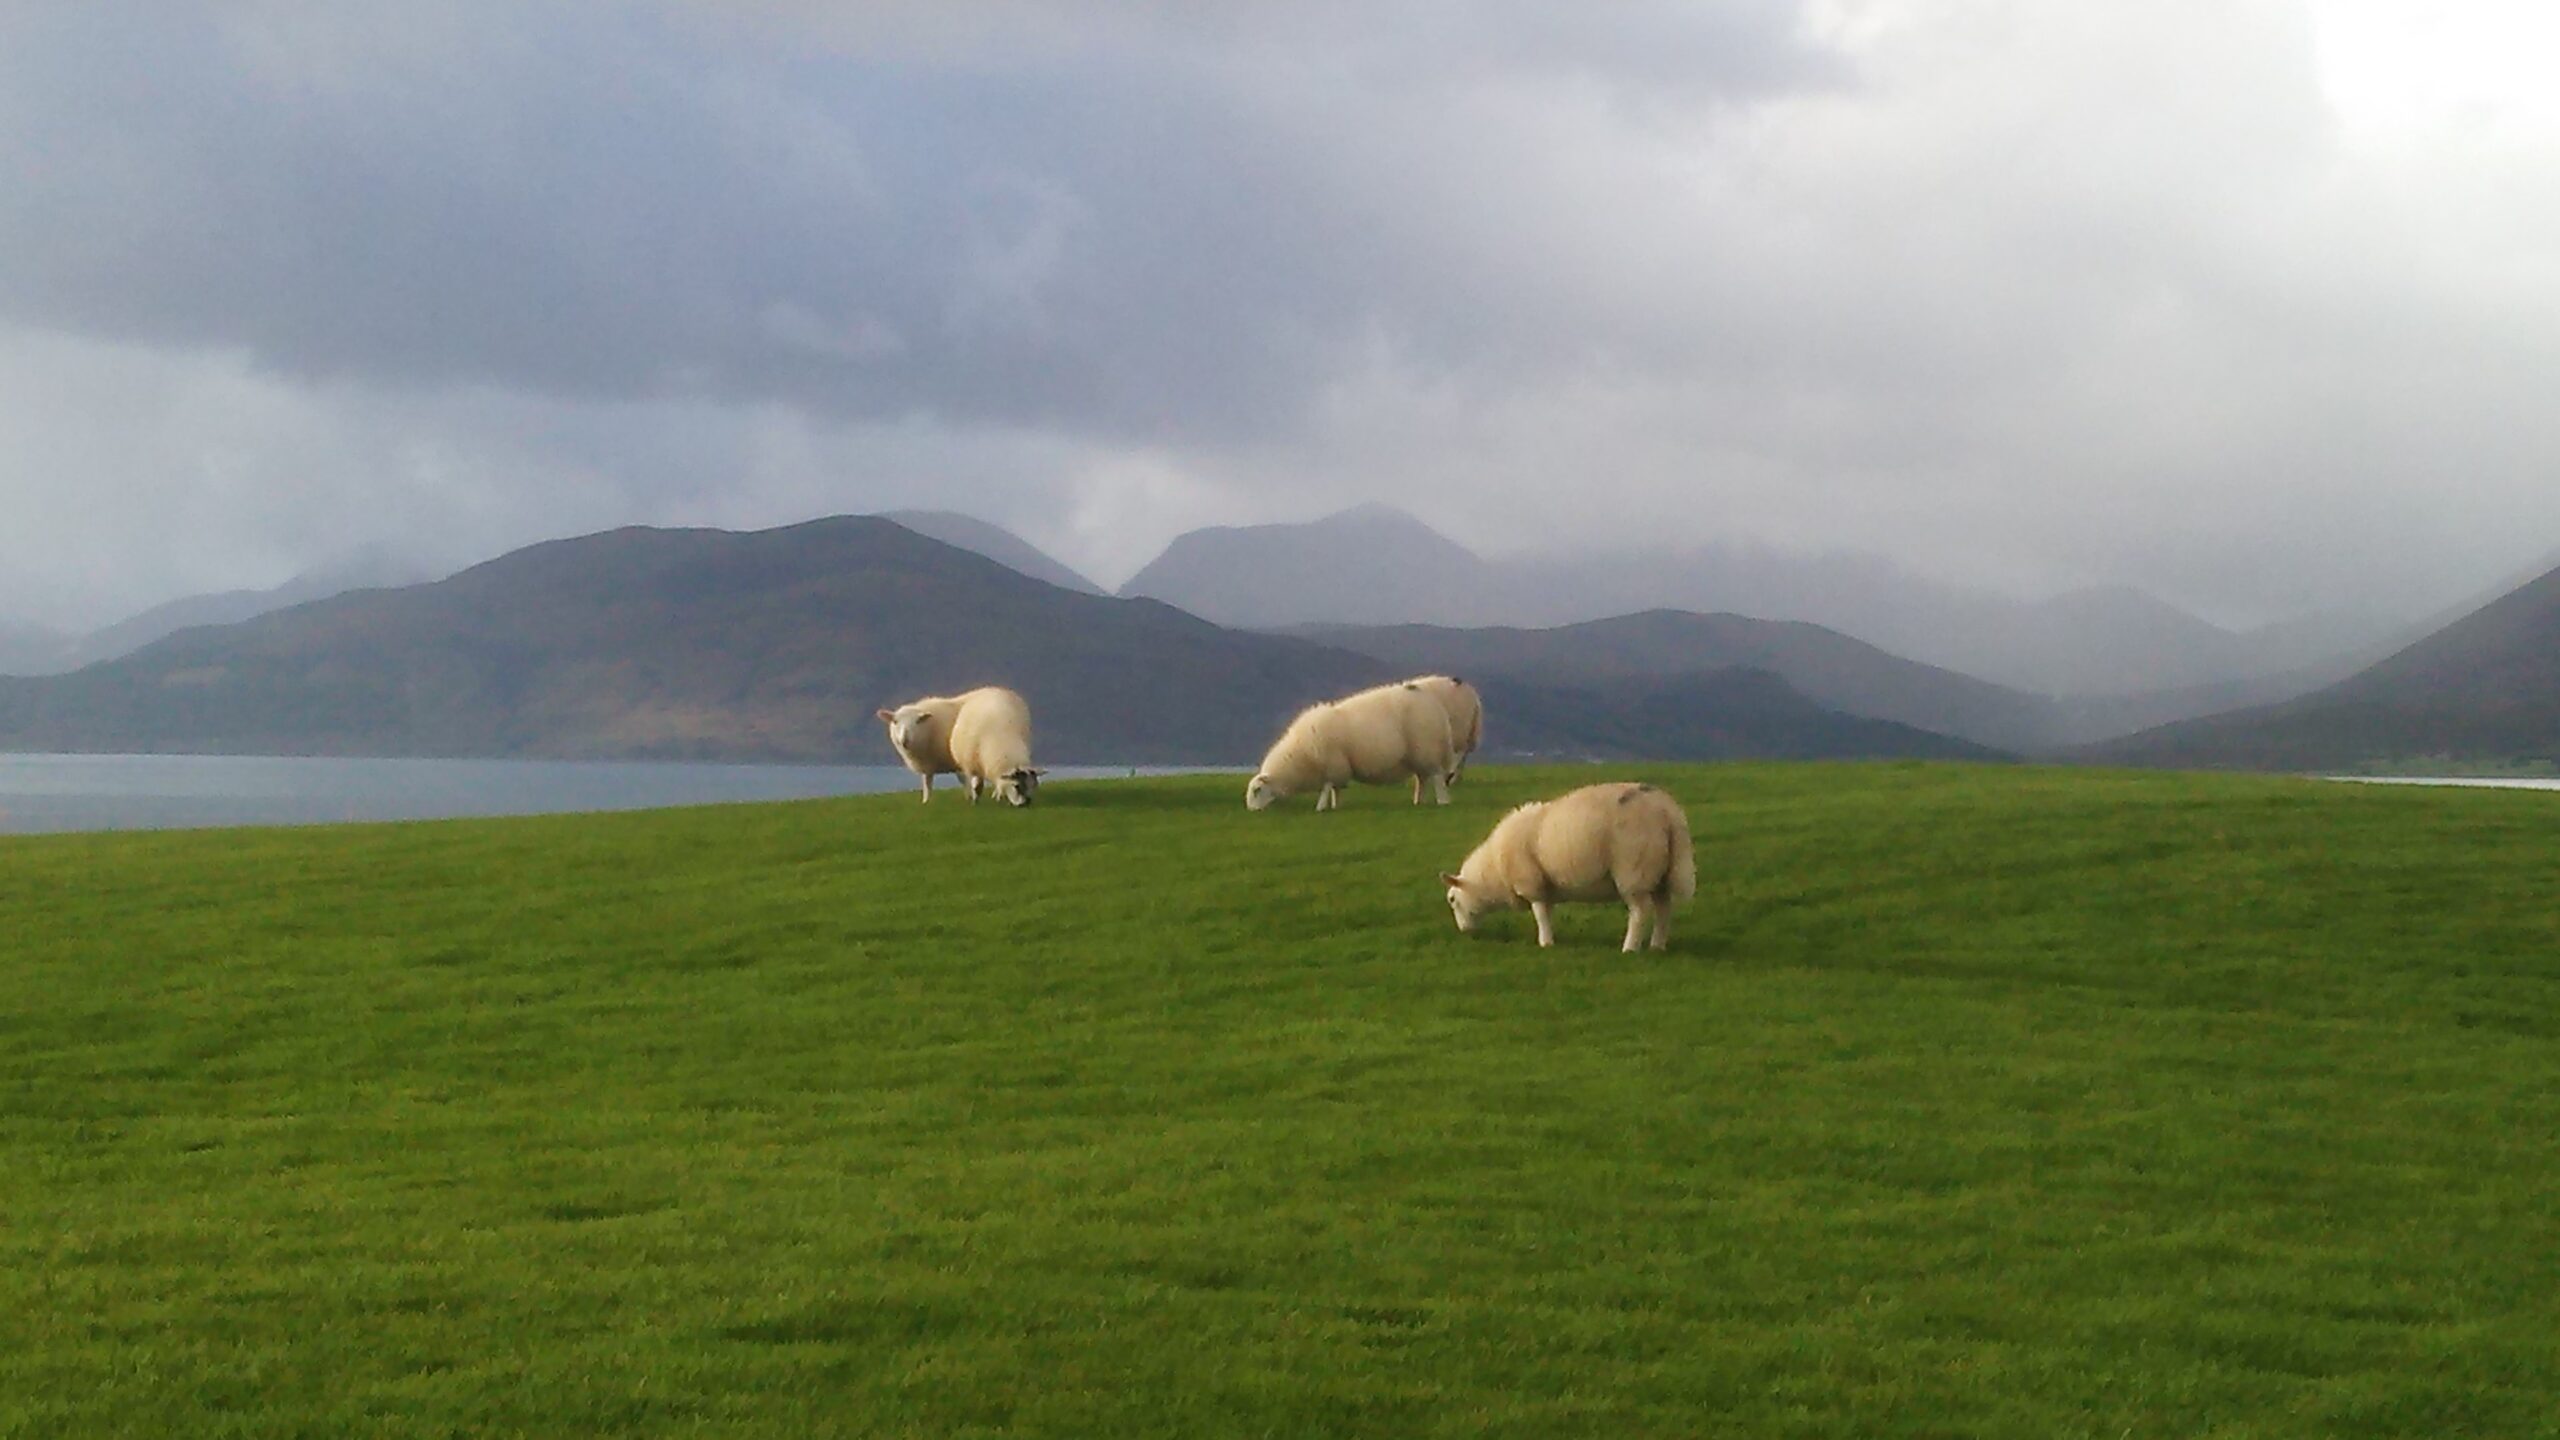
x=1975, y=1101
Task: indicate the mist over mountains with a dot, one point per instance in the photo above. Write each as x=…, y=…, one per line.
x=1375, y=565
x=2483, y=690
x=982, y=537
x=30, y=651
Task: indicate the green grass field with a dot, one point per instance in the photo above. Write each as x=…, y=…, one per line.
x=1968, y=1102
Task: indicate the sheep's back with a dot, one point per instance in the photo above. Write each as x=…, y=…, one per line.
x=1392, y=731
x=1463, y=705
x=992, y=731
x=1609, y=838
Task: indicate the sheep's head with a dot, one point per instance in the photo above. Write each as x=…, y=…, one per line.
x=1466, y=903
x=1260, y=793
x=1018, y=786
x=908, y=725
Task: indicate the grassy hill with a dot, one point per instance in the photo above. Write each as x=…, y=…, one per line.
x=1987, y=1101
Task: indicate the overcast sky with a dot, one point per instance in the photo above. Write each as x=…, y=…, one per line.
x=2253, y=304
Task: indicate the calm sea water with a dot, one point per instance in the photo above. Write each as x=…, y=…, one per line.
x=156, y=792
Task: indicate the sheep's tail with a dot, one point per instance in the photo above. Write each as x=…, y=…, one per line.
x=1680, y=882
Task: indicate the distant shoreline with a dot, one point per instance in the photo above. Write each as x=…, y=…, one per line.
x=2478, y=782
x=48, y=793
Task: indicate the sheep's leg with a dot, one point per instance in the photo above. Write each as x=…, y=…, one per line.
x=975, y=785
x=1439, y=789
x=1546, y=914
x=928, y=789
x=1639, y=920
x=1417, y=787
x=1662, y=925
x=1330, y=798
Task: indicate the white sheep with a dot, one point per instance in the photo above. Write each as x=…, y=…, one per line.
x=920, y=731
x=982, y=736
x=1466, y=721
x=1377, y=737
x=991, y=745
x=1621, y=841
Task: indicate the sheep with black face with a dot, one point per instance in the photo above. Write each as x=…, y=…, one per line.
x=983, y=736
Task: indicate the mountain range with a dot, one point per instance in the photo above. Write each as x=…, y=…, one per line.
x=1376, y=565
x=779, y=644
x=35, y=650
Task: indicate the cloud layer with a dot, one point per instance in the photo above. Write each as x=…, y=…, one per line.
x=2041, y=296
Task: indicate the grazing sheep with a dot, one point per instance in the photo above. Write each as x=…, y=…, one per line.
x=982, y=736
x=1466, y=721
x=1376, y=737
x=991, y=745
x=1622, y=841
x=920, y=731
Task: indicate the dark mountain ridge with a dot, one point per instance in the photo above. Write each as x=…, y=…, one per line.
x=779, y=644
x=657, y=643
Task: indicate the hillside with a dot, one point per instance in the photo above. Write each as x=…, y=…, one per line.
x=2115, y=652
x=980, y=537
x=1968, y=1101
x=1831, y=669
x=778, y=645
x=32, y=649
x=2486, y=689
x=637, y=643
x=1734, y=714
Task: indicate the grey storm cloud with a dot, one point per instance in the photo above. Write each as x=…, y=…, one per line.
x=2178, y=295
x=632, y=202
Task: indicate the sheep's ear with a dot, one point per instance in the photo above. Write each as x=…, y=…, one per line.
x=1035, y=772
x=886, y=714
x=1452, y=881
